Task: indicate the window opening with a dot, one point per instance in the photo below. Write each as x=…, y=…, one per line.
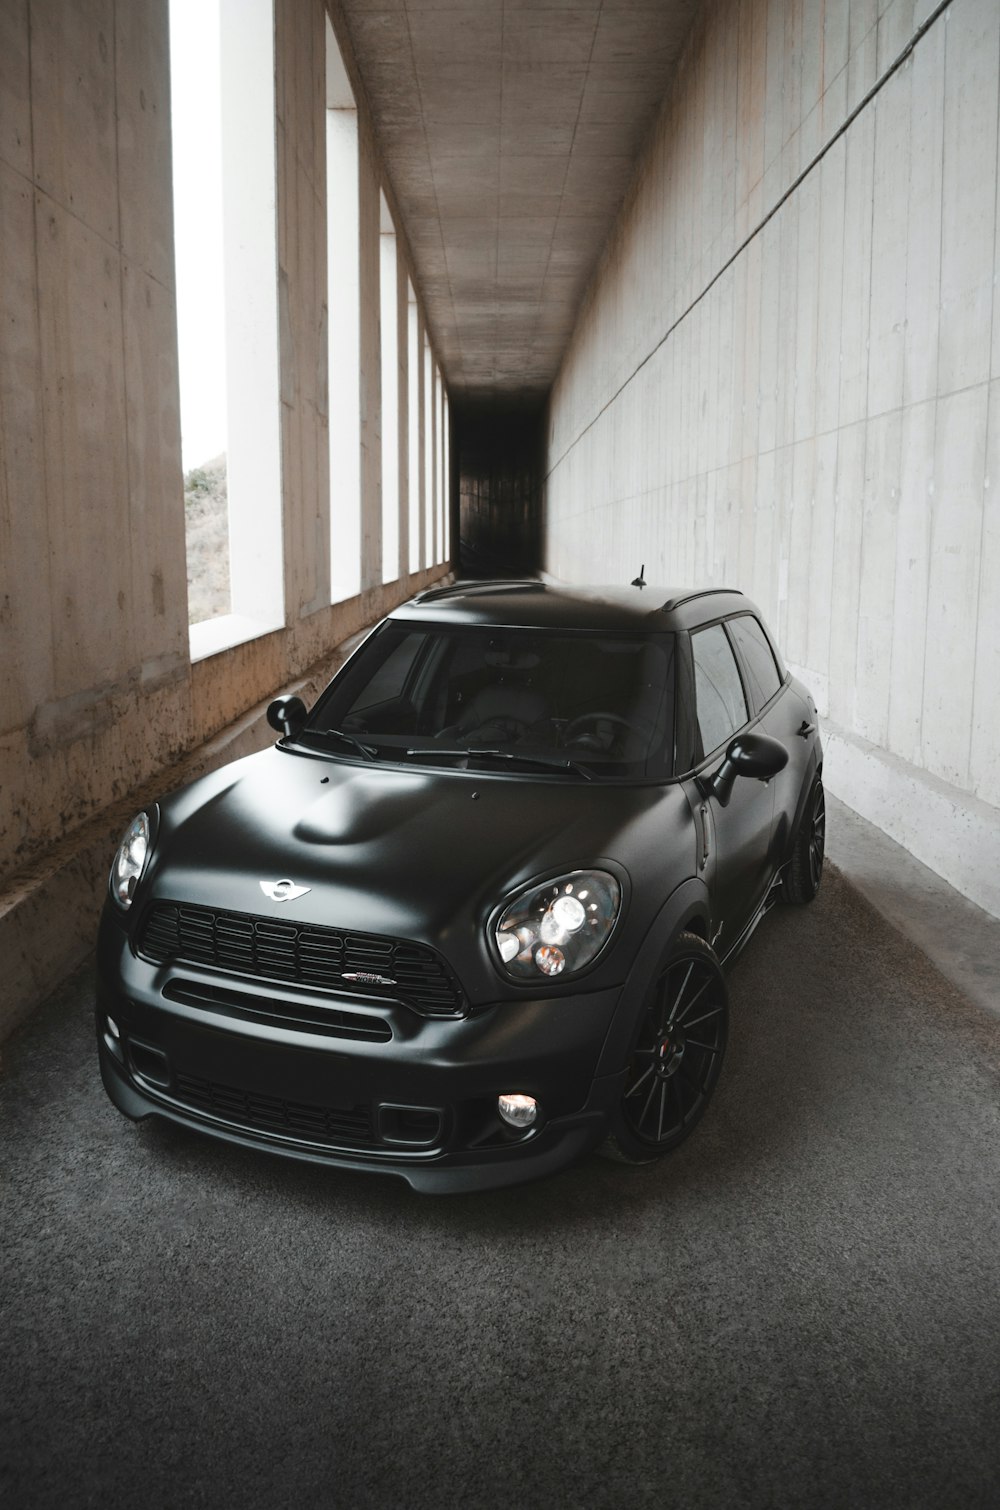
x=413, y=432
x=224, y=190
x=343, y=304
x=389, y=298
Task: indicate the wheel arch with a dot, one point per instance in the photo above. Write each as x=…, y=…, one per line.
x=814, y=770
x=687, y=909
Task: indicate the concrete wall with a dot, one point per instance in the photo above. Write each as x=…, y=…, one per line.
x=98, y=692
x=94, y=674
x=786, y=378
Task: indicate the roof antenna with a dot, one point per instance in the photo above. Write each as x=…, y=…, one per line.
x=640, y=580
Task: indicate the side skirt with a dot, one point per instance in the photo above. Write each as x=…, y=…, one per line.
x=770, y=899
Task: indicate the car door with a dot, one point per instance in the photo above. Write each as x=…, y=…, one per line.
x=781, y=714
x=736, y=838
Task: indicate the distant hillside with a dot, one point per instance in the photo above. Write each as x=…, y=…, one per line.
x=206, y=515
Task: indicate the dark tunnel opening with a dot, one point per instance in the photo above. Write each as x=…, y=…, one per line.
x=499, y=454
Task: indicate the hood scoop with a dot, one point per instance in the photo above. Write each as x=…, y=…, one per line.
x=363, y=808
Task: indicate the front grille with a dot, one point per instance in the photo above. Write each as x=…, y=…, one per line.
x=298, y=1119
x=271, y=949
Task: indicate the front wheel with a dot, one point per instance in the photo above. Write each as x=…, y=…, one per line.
x=677, y=1056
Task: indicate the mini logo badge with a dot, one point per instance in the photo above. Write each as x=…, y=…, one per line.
x=283, y=891
x=368, y=978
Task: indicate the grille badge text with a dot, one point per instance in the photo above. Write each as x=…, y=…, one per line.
x=367, y=978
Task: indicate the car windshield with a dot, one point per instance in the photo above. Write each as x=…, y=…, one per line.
x=568, y=703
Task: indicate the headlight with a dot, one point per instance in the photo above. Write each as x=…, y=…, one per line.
x=130, y=861
x=558, y=927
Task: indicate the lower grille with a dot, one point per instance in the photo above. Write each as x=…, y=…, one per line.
x=299, y=1119
x=326, y=1020
x=274, y=949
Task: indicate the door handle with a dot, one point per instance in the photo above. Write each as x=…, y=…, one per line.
x=805, y=729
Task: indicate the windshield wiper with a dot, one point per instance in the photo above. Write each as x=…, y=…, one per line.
x=368, y=751
x=551, y=762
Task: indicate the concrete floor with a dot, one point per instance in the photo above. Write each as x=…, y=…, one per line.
x=802, y=1307
x=961, y=940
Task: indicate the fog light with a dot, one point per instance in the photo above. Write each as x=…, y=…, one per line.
x=113, y=1028
x=518, y=1110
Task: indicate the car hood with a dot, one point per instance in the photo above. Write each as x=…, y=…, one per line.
x=420, y=854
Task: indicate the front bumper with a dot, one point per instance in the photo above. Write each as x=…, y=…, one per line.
x=359, y=1085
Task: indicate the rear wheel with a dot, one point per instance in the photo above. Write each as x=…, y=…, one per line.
x=677, y=1056
x=805, y=868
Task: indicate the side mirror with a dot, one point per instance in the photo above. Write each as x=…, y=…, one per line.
x=287, y=715
x=748, y=755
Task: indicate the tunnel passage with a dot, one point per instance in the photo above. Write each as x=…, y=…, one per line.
x=498, y=455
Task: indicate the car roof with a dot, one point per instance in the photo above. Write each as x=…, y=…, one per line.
x=531, y=603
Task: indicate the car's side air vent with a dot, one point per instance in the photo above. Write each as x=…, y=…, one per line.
x=324, y=959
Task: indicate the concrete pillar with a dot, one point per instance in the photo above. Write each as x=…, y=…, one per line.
x=303, y=307
x=93, y=597
x=430, y=454
x=423, y=442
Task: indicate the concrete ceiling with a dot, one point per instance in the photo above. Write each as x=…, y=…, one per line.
x=510, y=130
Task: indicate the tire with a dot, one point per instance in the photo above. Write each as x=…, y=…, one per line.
x=804, y=871
x=671, y=1076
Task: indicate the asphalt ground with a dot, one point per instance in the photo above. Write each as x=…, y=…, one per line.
x=800, y=1308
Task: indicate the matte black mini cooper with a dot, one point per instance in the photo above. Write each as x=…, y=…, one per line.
x=468, y=918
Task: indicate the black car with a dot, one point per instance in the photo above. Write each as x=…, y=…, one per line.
x=468, y=918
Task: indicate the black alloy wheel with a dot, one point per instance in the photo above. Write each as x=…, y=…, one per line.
x=677, y=1056
x=805, y=867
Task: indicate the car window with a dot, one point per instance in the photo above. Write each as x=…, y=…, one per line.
x=757, y=658
x=559, y=698
x=721, y=705
x=390, y=679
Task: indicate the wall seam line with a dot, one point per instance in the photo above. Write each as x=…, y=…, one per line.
x=986, y=456
x=868, y=490
x=937, y=404
x=569, y=157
